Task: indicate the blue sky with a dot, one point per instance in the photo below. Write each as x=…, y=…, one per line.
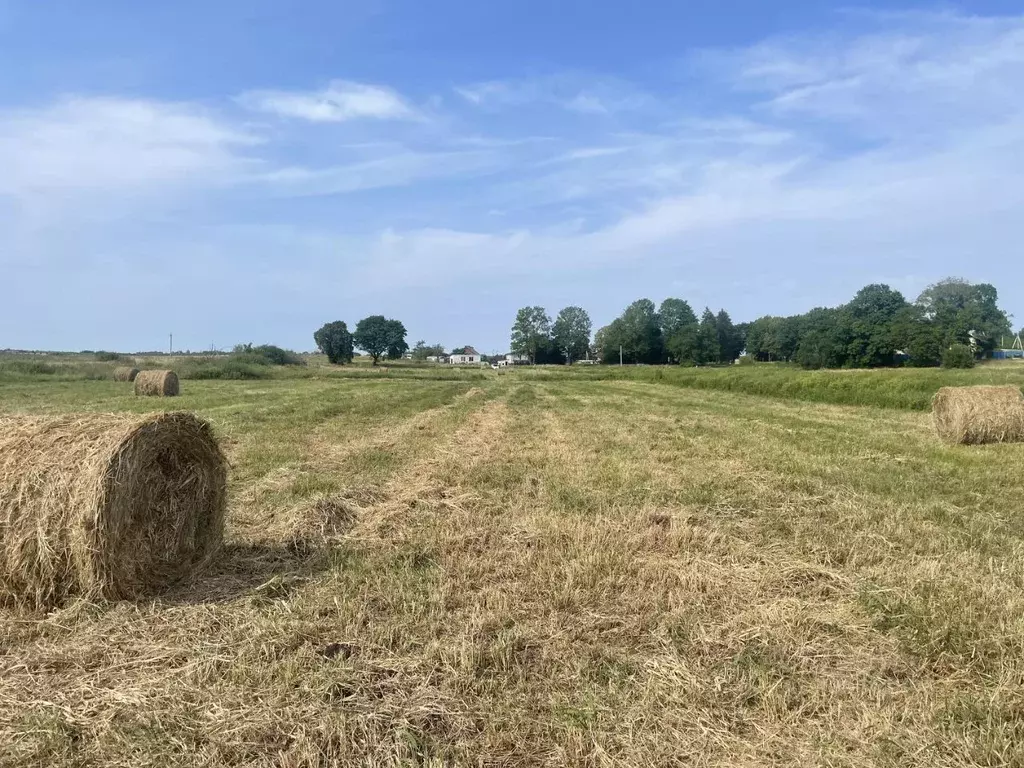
x=246, y=171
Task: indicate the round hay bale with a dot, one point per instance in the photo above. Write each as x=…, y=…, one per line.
x=108, y=506
x=156, y=384
x=125, y=373
x=975, y=415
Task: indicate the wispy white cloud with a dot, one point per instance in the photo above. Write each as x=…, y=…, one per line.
x=341, y=101
x=102, y=143
x=933, y=187
x=893, y=155
x=571, y=92
x=925, y=72
x=398, y=168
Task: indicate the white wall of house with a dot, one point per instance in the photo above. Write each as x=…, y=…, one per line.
x=464, y=359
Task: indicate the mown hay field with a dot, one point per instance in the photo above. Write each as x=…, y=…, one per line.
x=530, y=570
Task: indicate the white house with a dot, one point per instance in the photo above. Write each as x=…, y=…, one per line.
x=517, y=360
x=470, y=357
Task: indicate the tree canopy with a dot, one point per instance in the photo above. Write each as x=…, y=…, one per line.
x=334, y=340
x=679, y=330
x=377, y=336
x=957, y=307
x=531, y=332
x=878, y=327
x=397, y=346
x=637, y=332
x=571, y=333
x=421, y=350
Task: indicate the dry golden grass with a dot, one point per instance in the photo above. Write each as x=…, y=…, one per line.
x=558, y=573
x=977, y=415
x=106, y=506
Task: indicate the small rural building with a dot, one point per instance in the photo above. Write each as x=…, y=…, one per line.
x=517, y=360
x=469, y=357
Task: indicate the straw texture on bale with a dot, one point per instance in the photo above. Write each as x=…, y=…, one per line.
x=975, y=415
x=125, y=373
x=106, y=506
x=157, y=383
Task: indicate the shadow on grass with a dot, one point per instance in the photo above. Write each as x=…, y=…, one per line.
x=258, y=570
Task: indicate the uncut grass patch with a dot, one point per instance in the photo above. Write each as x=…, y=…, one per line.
x=906, y=388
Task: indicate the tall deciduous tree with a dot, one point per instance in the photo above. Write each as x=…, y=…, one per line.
x=958, y=307
x=679, y=330
x=397, y=346
x=571, y=333
x=730, y=339
x=641, y=333
x=708, y=348
x=917, y=337
x=531, y=332
x=377, y=336
x=868, y=321
x=674, y=315
x=334, y=340
x=823, y=339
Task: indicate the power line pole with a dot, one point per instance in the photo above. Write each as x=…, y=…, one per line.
x=620, y=354
x=170, y=345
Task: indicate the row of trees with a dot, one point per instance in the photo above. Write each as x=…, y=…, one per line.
x=535, y=337
x=879, y=327
x=376, y=335
x=669, y=334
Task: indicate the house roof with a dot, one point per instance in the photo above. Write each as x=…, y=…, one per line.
x=471, y=351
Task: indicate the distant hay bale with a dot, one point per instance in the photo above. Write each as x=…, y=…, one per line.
x=125, y=373
x=975, y=415
x=157, y=384
x=106, y=506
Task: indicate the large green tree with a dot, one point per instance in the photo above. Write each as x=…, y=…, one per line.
x=571, y=333
x=679, y=330
x=674, y=315
x=639, y=333
x=709, y=349
x=868, y=322
x=958, y=307
x=397, y=346
x=917, y=337
x=531, y=332
x=773, y=339
x=730, y=338
x=377, y=336
x=823, y=339
x=334, y=340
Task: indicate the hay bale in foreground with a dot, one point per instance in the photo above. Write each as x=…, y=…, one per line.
x=157, y=384
x=106, y=505
x=975, y=415
x=125, y=373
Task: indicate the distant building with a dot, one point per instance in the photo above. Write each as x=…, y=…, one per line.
x=437, y=359
x=517, y=360
x=469, y=356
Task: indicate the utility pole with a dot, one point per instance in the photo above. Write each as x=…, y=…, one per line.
x=620, y=355
x=170, y=345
